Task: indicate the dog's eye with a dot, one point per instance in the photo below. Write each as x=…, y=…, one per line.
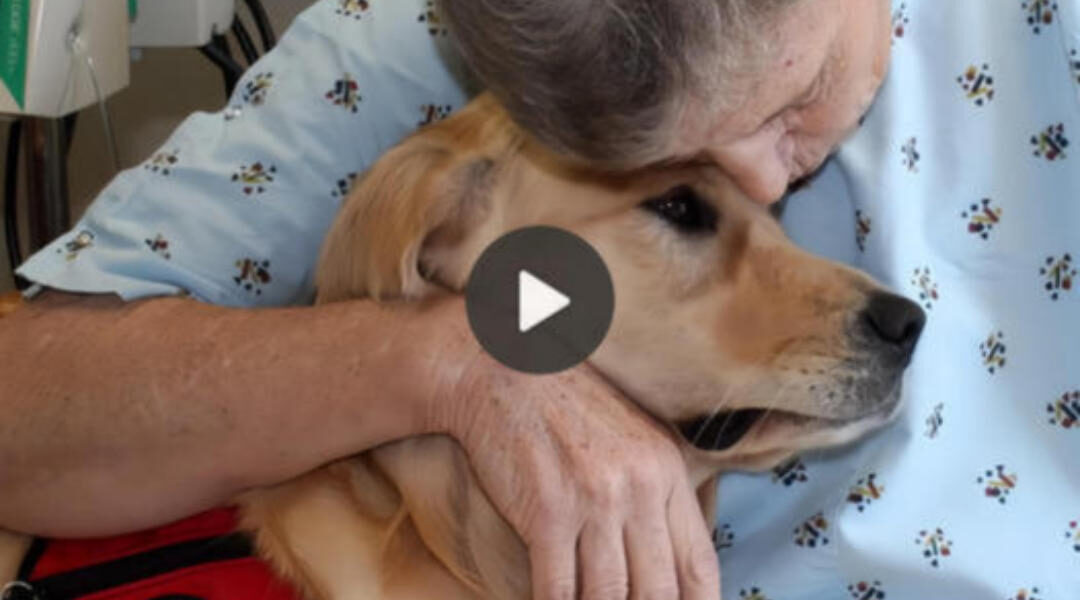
x=684, y=209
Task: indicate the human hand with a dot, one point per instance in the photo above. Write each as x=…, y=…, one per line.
x=597, y=490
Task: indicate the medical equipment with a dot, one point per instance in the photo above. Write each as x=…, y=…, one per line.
x=61, y=56
x=56, y=58
x=45, y=50
x=180, y=24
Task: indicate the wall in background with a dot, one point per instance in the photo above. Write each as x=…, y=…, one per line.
x=167, y=84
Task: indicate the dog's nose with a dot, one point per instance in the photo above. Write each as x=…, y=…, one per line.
x=895, y=320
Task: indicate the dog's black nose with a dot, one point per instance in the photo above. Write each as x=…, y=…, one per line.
x=895, y=320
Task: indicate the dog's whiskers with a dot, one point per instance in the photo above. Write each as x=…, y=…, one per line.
x=720, y=406
x=765, y=413
x=776, y=399
x=720, y=433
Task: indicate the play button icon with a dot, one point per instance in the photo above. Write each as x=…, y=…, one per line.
x=540, y=299
x=537, y=301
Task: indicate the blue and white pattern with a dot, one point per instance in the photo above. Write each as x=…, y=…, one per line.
x=961, y=191
x=234, y=206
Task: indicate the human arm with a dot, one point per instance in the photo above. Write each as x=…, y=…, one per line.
x=150, y=411
x=153, y=410
x=231, y=210
x=588, y=472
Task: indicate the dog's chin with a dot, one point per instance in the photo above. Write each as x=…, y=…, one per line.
x=759, y=439
x=795, y=433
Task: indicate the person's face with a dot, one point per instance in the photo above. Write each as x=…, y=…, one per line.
x=829, y=61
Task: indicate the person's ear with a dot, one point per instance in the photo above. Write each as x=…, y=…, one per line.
x=423, y=188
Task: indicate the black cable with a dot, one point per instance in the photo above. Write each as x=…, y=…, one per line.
x=221, y=41
x=218, y=52
x=70, y=122
x=11, y=221
x=247, y=47
x=262, y=22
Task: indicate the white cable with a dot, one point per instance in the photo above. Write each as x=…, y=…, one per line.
x=78, y=48
x=106, y=121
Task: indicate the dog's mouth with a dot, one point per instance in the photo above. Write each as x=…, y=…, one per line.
x=720, y=431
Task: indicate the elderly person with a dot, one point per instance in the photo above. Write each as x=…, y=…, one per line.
x=231, y=212
x=764, y=88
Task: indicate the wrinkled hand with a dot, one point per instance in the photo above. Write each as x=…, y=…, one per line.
x=596, y=489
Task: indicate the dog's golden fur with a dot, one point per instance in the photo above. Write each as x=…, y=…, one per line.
x=730, y=318
x=9, y=302
x=749, y=320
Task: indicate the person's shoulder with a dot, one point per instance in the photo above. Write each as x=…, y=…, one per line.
x=358, y=24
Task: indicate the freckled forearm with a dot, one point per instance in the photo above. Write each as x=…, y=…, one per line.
x=149, y=411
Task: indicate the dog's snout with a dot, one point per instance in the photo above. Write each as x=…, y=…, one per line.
x=895, y=320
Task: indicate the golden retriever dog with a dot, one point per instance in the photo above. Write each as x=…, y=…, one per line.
x=750, y=348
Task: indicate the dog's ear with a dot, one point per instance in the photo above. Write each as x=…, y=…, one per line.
x=425, y=187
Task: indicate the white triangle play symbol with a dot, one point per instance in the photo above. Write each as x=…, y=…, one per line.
x=537, y=301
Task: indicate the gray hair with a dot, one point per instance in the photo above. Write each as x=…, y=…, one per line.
x=605, y=80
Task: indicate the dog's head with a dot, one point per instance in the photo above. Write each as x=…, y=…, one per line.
x=751, y=348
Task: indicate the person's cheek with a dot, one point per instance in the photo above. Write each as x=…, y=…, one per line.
x=760, y=165
x=874, y=44
x=883, y=36
x=829, y=122
x=828, y=125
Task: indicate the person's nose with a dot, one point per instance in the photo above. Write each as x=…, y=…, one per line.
x=756, y=165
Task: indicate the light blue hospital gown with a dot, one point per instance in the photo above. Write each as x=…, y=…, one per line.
x=960, y=189
x=233, y=208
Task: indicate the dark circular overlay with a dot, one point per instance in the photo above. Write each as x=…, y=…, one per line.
x=558, y=259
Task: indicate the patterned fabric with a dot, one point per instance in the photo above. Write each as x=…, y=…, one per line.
x=233, y=208
x=960, y=189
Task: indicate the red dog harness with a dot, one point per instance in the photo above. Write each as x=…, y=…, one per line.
x=201, y=558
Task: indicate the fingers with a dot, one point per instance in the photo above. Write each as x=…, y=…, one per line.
x=695, y=559
x=602, y=556
x=554, y=567
x=650, y=555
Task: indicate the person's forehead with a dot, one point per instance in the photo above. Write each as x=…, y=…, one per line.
x=806, y=41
